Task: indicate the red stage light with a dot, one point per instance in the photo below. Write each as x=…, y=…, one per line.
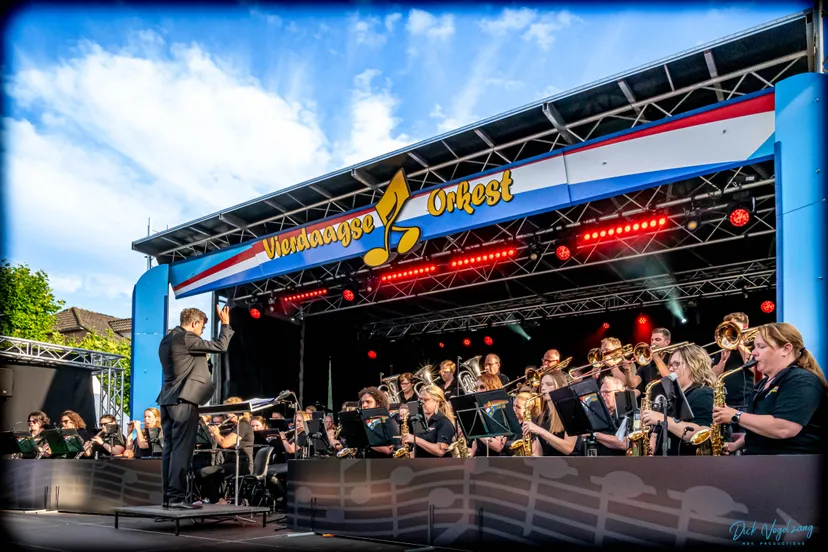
x=306, y=295
x=642, y=319
x=662, y=221
x=649, y=224
x=255, y=313
x=441, y=344
x=488, y=340
x=605, y=325
x=562, y=252
x=411, y=272
x=739, y=217
x=481, y=258
x=467, y=342
x=348, y=295
x=767, y=307
x=372, y=354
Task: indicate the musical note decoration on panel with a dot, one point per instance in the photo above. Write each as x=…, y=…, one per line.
x=389, y=208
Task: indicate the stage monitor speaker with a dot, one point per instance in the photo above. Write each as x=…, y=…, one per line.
x=6, y=382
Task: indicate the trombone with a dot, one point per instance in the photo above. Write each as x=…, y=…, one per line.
x=728, y=335
x=533, y=377
x=599, y=361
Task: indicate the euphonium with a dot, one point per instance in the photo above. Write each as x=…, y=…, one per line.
x=710, y=442
x=640, y=435
x=403, y=451
x=459, y=448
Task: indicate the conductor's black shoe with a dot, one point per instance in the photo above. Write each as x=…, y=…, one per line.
x=184, y=506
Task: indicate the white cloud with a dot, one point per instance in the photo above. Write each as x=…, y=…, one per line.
x=510, y=20
x=391, y=19
x=509, y=85
x=537, y=27
x=550, y=90
x=422, y=23
x=373, y=130
x=365, y=31
x=65, y=284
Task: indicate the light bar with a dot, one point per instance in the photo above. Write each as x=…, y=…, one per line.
x=625, y=229
x=307, y=295
x=406, y=274
x=483, y=258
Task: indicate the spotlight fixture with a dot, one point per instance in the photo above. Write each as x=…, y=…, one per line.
x=441, y=345
x=298, y=297
x=408, y=273
x=605, y=325
x=642, y=319
x=768, y=307
x=619, y=229
x=372, y=284
x=684, y=321
x=692, y=224
x=348, y=295
x=467, y=342
x=255, y=313
x=488, y=340
x=483, y=257
x=739, y=217
x=372, y=354
x=562, y=252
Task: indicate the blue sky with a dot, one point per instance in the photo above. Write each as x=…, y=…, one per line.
x=117, y=115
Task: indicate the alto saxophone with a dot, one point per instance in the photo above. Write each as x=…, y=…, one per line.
x=403, y=451
x=459, y=448
x=710, y=442
x=523, y=446
x=640, y=435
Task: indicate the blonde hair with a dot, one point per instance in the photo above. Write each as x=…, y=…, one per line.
x=555, y=423
x=698, y=361
x=612, y=342
x=614, y=382
x=443, y=405
x=448, y=364
x=491, y=381
x=777, y=334
x=157, y=414
x=739, y=317
x=237, y=400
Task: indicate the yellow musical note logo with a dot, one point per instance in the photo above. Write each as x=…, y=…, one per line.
x=388, y=208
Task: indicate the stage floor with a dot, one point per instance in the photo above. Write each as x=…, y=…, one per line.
x=76, y=532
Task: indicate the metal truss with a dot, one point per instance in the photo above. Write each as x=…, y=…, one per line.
x=705, y=200
x=630, y=294
x=559, y=134
x=109, y=368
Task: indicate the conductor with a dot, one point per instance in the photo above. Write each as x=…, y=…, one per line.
x=187, y=384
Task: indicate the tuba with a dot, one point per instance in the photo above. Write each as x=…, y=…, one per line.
x=426, y=377
x=391, y=387
x=468, y=373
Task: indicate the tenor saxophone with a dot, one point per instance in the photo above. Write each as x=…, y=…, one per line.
x=403, y=451
x=640, y=435
x=459, y=448
x=710, y=442
x=523, y=446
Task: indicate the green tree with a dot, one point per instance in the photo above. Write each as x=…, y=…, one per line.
x=27, y=303
x=109, y=344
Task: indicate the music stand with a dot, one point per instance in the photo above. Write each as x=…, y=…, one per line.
x=354, y=429
x=582, y=411
x=63, y=441
x=317, y=438
x=376, y=428
x=18, y=442
x=674, y=405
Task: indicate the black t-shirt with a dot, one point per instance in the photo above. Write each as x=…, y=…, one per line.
x=503, y=378
x=700, y=400
x=439, y=430
x=600, y=447
x=738, y=386
x=245, y=433
x=549, y=450
x=796, y=395
x=647, y=374
x=451, y=390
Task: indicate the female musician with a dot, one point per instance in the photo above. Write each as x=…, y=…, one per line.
x=371, y=397
x=622, y=370
x=532, y=412
x=38, y=422
x=691, y=364
x=297, y=441
x=406, y=381
x=144, y=445
x=488, y=382
x=439, y=422
x=552, y=439
x=788, y=412
x=112, y=443
x=448, y=384
x=226, y=439
x=257, y=423
x=69, y=419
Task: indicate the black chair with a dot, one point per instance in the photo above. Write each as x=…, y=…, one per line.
x=253, y=487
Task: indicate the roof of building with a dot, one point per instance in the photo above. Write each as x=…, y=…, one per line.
x=75, y=319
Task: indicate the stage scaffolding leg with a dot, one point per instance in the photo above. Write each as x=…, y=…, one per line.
x=302, y=363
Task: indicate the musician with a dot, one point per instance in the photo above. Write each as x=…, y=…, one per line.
x=448, y=383
x=621, y=369
x=371, y=397
x=439, y=420
x=406, y=381
x=226, y=438
x=144, y=445
x=492, y=365
x=552, y=438
x=299, y=437
x=607, y=443
x=788, y=412
x=38, y=422
x=487, y=382
x=525, y=387
x=660, y=337
x=691, y=364
x=738, y=386
x=257, y=423
x=111, y=443
x=277, y=416
x=532, y=413
x=69, y=419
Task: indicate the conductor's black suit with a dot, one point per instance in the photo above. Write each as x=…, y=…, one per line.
x=187, y=384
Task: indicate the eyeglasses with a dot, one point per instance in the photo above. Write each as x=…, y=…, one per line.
x=550, y=360
x=445, y=371
x=491, y=363
x=607, y=393
x=32, y=422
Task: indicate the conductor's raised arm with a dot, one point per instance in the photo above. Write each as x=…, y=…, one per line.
x=195, y=344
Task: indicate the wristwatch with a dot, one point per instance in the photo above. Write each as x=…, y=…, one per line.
x=735, y=418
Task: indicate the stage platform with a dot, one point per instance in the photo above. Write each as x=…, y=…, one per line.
x=60, y=532
x=208, y=511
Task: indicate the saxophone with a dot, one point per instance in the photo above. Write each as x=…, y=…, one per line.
x=640, y=435
x=403, y=451
x=710, y=442
x=523, y=447
x=459, y=448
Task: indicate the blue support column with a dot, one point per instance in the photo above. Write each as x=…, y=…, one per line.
x=801, y=151
x=149, y=326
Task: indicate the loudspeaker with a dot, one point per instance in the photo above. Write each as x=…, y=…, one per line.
x=6, y=382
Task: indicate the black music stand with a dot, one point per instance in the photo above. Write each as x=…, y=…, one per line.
x=673, y=405
x=583, y=411
x=63, y=442
x=354, y=429
x=376, y=428
x=18, y=442
x=317, y=442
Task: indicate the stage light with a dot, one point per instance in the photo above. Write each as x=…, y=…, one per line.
x=297, y=297
x=642, y=319
x=255, y=313
x=408, y=273
x=441, y=345
x=467, y=342
x=692, y=224
x=684, y=321
x=739, y=217
x=562, y=252
x=616, y=231
x=348, y=295
x=488, y=340
x=484, y=257
x=605, y=325
x=372, y=354
x=768, y=307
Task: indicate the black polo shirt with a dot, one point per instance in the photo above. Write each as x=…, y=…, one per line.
x=738, y=386
x=439, y=430
x=647, y=374
x=700, y=399
x=451, y=390
x=796, y=395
